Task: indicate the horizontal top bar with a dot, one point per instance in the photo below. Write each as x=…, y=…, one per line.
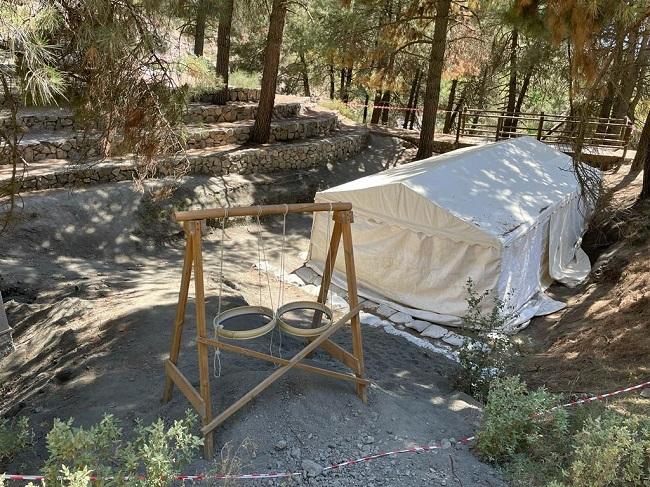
x=261, y=210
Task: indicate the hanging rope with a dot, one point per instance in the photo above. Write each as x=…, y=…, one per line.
x=216, y=361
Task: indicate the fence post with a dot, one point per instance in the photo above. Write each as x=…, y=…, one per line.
x=540, y=127
x=499, y=126
x=459, y=123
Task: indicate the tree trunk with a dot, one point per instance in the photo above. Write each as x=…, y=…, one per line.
x=512, y=84
x=628, y=81
x=385, y=103
x=199, y=31
x=365, y=107
x=409, y=105
x=521, y=98
x=342, y=85
x=223, y=49
x=331, y=75
x=305, y=74
x=414, y=113
x=376, y=109
x=348, y=82
x=459, y=107
x=262, y=127
x=606, y=108
x=642, y=158
x=432, y=92
x=450, y=106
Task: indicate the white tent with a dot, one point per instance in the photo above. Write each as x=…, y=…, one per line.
x=509, y=215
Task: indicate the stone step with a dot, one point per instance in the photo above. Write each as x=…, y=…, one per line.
x=231, y=159
x=77, y=146
x=57, y=119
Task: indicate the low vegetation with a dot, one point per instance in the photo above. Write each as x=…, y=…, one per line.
x=590, y=446
x=484, y=357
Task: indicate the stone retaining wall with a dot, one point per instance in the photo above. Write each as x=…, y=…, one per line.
x=234, y=112
x=75, y=146
x=259, y=160
x=235, y=94
x=281, y=131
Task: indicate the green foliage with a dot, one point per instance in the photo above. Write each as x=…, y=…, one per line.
x=511, y=425
x=245, y=79
x=484, y=358
x=156, y=452
x=355, y=114
x=14, y=437
x=611, y=450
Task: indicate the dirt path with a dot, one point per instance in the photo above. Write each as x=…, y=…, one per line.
x=92, y=277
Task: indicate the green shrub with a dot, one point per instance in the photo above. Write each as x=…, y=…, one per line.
x=484, y=358
x=14, y=437
x=508, y=428
x=611, y=450
x=157, y=452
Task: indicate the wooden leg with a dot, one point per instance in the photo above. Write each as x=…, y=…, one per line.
x=180, y=313
x=328, y=267
x=204, y=369
x=353, y=300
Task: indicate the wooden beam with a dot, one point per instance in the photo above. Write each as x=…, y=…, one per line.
x=341, y=354
x=262, y=210
x=280, y=361
x=180, y=312
x=201, y=331
x=353, y=299
x=255, y=391
x=185, y=387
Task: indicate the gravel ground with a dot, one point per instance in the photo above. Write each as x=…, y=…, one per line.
x=91, y=278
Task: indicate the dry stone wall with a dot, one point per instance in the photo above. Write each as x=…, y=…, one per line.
x=77, y=146
x=234, y=112
x=254, y=160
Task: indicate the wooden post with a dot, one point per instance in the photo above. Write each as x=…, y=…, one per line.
x=201, y=331
x=328, y=269
x=499, y=126
x=458, y=126
x=346, y=218
x=180, y=312
x=540, y=127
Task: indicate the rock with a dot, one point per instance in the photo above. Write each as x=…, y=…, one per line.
x=646, y=392
x=64, y=375
x=418, y=325
x=311, y=468
x=445, y=444
x=454, y=339
x=435, y=331
x=295, y=453
x=368, y=440
x=401, y=318
x=280, y=445
x=385, y=311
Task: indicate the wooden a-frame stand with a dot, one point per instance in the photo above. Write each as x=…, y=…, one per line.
x=201, y=399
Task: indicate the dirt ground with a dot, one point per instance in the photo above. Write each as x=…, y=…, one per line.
x=601, y=341
x=91, y=278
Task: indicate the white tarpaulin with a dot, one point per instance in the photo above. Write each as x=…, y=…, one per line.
x=508, y=215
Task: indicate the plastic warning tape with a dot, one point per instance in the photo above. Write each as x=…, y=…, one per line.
x=354, y=461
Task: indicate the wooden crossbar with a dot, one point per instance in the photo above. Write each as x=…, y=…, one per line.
x=262, y=210
x=281, y=361
x=193, y=267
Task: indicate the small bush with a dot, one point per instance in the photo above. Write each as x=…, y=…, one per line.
x=508, y=427
x=156, y=452
x=14, y=437
x=484, y=358
x=611, y=450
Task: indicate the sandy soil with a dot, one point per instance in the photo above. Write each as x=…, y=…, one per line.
x=91, y=280
x=601, y=340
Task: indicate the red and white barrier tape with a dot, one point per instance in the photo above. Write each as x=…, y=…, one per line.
x=415, y=449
